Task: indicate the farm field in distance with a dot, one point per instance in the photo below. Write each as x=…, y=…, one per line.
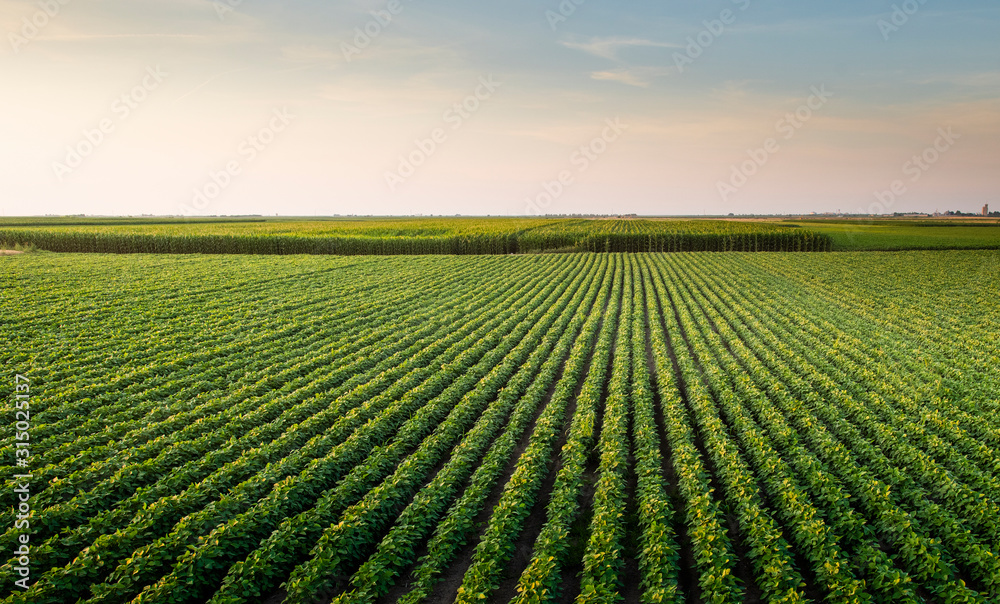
x=907, y=234
x=573, y=427
x=484, y=235
x=408, y=235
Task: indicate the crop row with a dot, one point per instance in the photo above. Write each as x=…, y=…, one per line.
x=655, y=427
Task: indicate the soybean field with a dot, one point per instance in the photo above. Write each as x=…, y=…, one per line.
x=579, y=427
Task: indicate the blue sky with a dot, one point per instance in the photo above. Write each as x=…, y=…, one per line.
x=281, y=107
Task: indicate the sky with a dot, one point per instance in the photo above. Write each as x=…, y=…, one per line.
x=400, y=107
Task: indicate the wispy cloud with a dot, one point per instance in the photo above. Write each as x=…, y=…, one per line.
x=608, y=48
x=70, y=37
x=623, y=76
x=627, y=73
x=632, y=76
x=984, y=79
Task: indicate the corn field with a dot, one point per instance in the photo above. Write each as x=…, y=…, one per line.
x=412, y=237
